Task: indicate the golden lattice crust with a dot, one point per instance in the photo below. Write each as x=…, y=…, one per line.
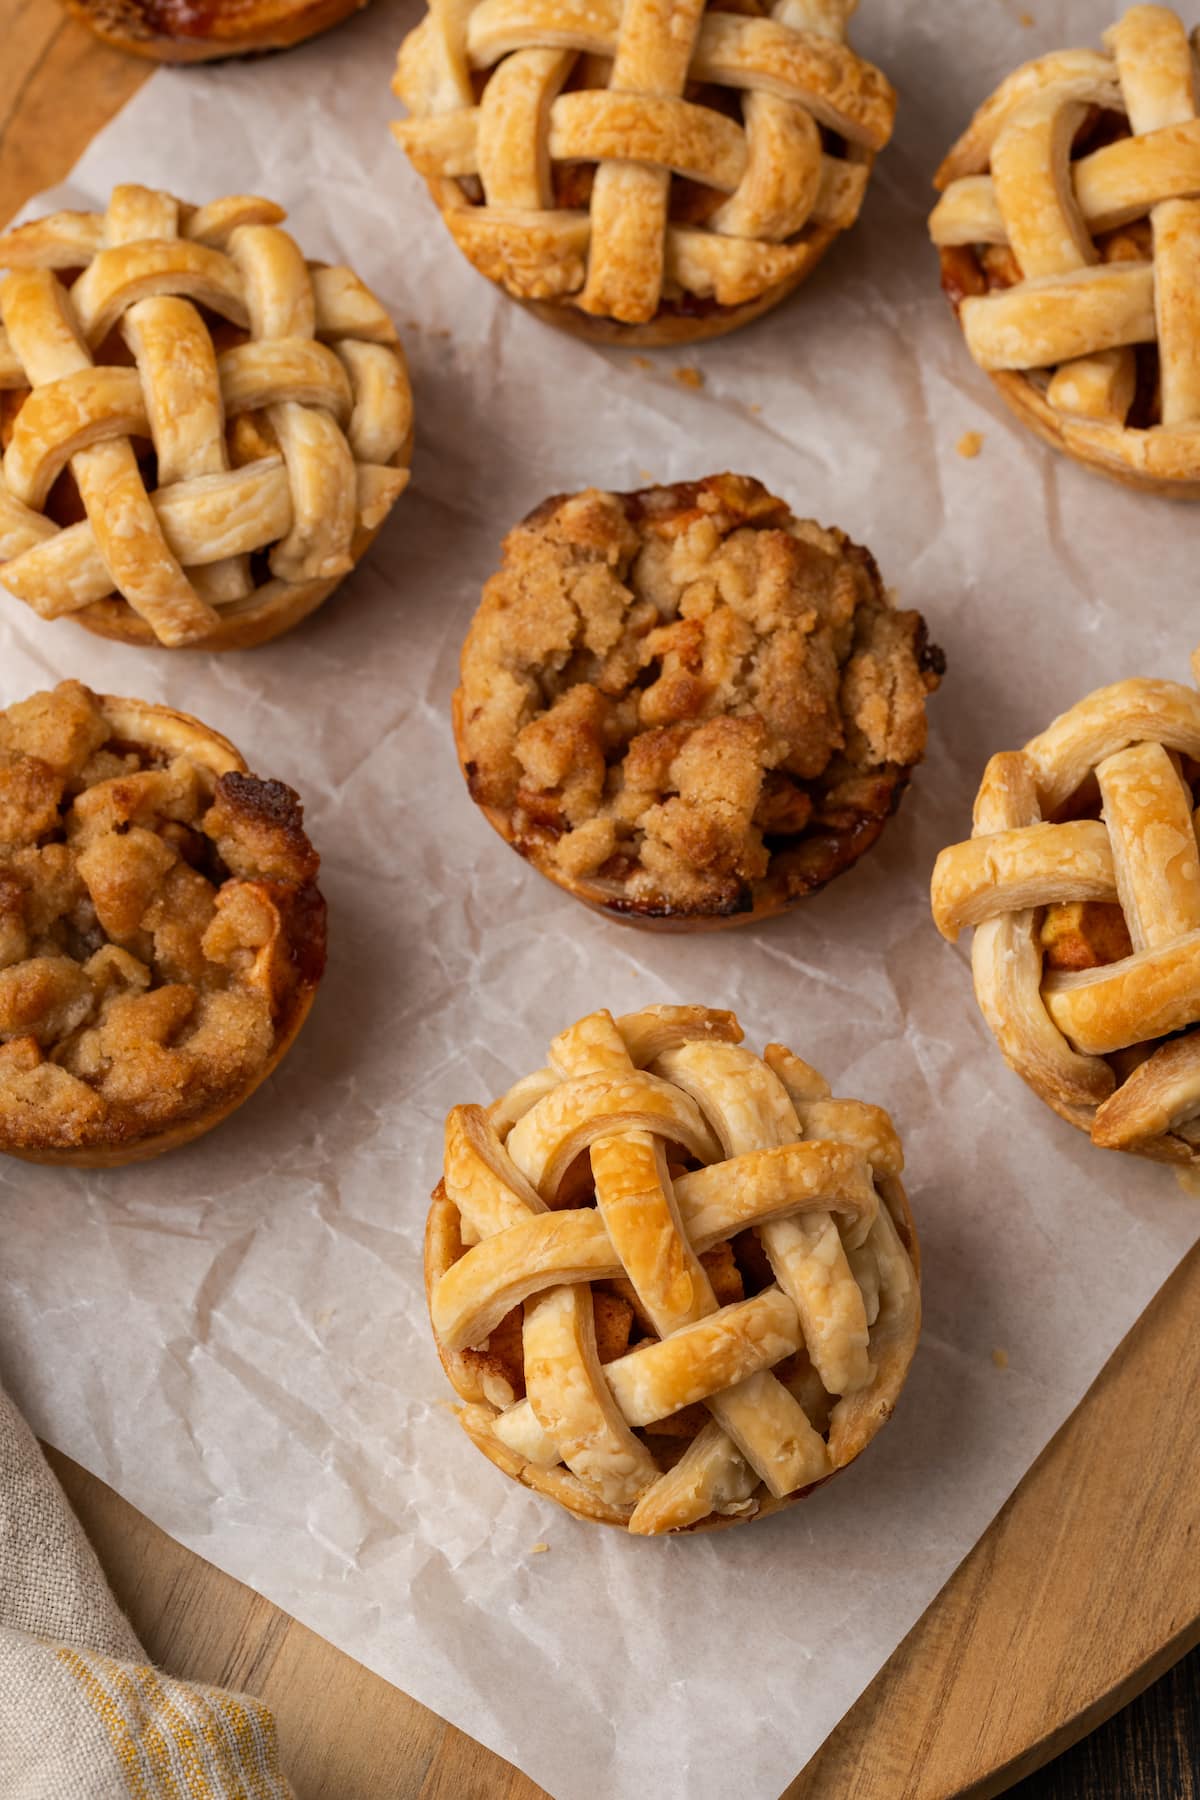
x=1082, y=880
x=687, y=707
x=676, y=1284
x=202, y=432
x=1069, y=234
x=161, y=931
x=643, y=171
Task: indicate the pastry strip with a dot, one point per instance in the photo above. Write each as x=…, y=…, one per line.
x=572, y=1402
x=1062, y=756
x=1010, y=871
x=628, y=206
x=1006, y=961
x=1148, y=813
x=520, y=1252
x=1159, y=1096
x=634, y=1195
x=34, y=309
x=1144, y=996
x=749, y=1105
x=568, y=1119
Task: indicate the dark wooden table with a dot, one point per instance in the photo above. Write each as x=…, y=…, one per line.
x=1151, y=1751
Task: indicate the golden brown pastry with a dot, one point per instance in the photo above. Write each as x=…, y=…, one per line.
x=687, y=707
x=1069, y=235
x=188, y=31
x=161, y=931
x=643, y=174
x=202, y=432
x=675, y=1284
x=1082, y=880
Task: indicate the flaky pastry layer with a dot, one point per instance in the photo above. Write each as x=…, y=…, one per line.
x=675, y=1284
x=645, y=173
x=1069, y=237
x=202, y=431
x=1082, y=881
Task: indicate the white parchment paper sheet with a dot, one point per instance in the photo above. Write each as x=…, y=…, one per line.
x=235, y=1336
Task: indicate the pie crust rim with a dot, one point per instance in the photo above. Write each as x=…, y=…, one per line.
x=243, y=624
x=1023, y=397
x=166, y=727
x=771, y=895
x=668, y=328
x=443, y=1248
x=286, y=26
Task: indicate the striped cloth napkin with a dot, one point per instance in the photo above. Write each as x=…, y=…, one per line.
x=83, y=1715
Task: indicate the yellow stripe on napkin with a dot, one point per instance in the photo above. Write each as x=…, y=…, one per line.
x=174, y=1741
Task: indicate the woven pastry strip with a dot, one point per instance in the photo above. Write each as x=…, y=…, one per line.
x=1072, y=317
x=595, y=82
x=309, y=403
x=1057, y=1028
x=777, y=1156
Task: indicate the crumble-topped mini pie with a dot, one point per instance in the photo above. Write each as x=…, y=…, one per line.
x=1069, y=233
x=1082, y=880
x=686, y=706
x=161, y=932
x=643, y=172
x=188, y=31
x=202, y=432
x=676, y=1284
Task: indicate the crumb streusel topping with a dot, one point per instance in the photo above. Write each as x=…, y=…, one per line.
x=156, y=922
x=671, y=696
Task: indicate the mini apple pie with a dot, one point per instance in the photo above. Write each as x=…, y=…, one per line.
x=1082, y=880
x=687, y=707
x=675, y=1284
x=161, y=932
x=189, y=31
x=202, y=432
x=643, y=172
x=1069, y=233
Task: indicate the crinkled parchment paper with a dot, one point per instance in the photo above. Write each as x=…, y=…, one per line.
x=235, y=1336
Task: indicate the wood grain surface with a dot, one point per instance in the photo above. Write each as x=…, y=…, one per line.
x=1148, y=1751
x=1085, y=1588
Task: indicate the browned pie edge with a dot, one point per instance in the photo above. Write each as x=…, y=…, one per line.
x=668, y=327
x=244, y=624
x=276, y=27
x=1030, y=405
x=220, y=754
x=544, y=1481
x=794, y=875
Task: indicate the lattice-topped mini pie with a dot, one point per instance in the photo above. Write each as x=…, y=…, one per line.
x=161, y=932
x=1069, y=232
x=675, y=1283
x=646, y=172
x=1082, y=880
x=202, y=432
x=686, y=706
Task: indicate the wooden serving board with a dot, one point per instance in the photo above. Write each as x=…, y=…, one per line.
x=1084, y=1589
